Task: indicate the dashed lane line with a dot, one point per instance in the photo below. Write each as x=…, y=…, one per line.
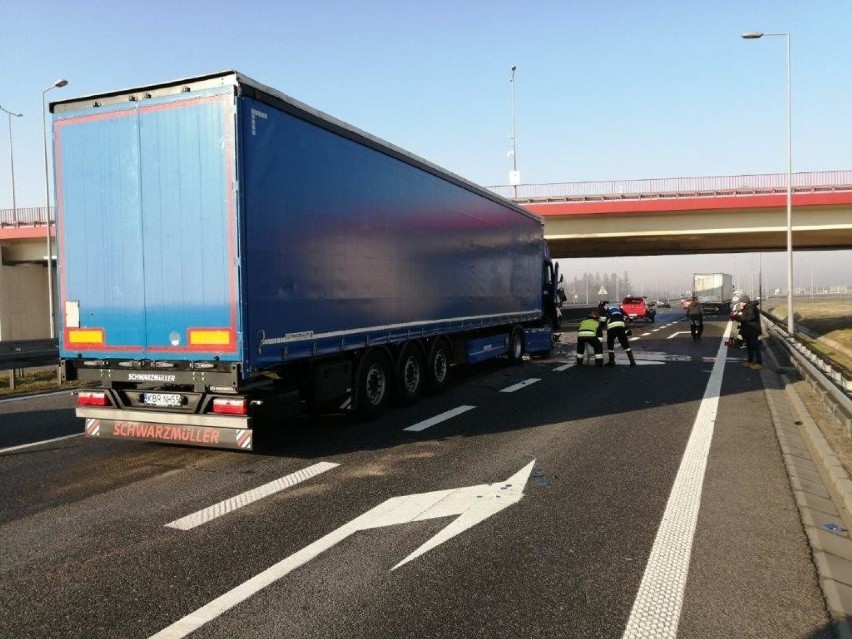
x=437, y=419
x=44, y=441
x=29, y=396
x=244, y=499
x=520, y=385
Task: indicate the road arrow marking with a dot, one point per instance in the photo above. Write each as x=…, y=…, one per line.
x=472, y=504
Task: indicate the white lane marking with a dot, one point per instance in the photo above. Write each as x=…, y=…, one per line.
x=679, y=333
x=437, y=419
x=645, y=334
x=656, y=610
x=244, y=499
x=520, y=385
x=44, y=441
x=564, y=367
x=472, y=505
x=20, y=398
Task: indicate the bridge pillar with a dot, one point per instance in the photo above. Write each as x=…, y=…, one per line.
x=23, y=298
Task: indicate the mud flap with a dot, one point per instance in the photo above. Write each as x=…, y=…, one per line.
x=187, y=435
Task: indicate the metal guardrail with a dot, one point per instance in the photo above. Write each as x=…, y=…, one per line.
x=841, y=377
x=27, y=353
x=830, y=384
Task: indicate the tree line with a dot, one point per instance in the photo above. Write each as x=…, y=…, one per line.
x=588, y=285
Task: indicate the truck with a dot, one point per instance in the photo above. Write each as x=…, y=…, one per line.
x=229, y=256
x=714, y=292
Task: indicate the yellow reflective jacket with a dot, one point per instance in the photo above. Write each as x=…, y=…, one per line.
x=590, y=327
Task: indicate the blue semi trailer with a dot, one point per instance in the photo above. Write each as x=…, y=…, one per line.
x=227, y=253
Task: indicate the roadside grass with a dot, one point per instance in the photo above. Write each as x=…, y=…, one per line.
x=831, y=319
x=33, y=381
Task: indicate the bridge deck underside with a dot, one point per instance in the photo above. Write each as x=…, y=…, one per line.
x=616, y=234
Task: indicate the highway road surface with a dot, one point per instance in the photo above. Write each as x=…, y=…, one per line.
x=541, y=500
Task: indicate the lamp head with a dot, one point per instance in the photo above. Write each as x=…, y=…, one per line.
x=752, y=35
x=17, y=115
x=60, y=83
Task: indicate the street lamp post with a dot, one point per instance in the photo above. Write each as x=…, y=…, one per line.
x=12, y=161
x=58, y=84
x=514, y=177
x=754, y=35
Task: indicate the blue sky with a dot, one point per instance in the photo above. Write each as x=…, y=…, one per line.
x=605, y=90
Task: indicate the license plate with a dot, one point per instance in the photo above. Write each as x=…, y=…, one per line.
x=162, y=399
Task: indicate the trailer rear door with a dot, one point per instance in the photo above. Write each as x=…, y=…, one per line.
x=147, y=232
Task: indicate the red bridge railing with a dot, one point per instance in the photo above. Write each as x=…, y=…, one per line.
x=723, y=186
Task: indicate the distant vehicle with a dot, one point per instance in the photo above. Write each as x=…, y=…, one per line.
x=714, y=292
x=663, y=304
x=636, y=308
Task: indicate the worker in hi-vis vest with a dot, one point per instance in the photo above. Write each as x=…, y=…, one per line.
x=616, y=328
x=590, y=332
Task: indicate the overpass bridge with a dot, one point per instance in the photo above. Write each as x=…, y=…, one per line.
x=674, y=216
x=666, y=216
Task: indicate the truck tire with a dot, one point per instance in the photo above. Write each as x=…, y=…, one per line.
x=373, y=384
x=410, y=373
x=438, y=367
x=517, y=345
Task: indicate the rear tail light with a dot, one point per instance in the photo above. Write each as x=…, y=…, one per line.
x=92, y=398
x=231, y=406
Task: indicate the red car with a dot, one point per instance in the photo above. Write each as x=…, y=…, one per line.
x=637, y=308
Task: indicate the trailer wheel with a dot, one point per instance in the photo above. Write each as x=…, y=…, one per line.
x=373, y=384
x=410, y=373
x=517, y=345
x=438, y=367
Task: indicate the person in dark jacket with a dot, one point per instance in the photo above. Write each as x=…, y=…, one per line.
x=616, y=328
x=590, y=332
x=751, y=331
x=695, y=314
